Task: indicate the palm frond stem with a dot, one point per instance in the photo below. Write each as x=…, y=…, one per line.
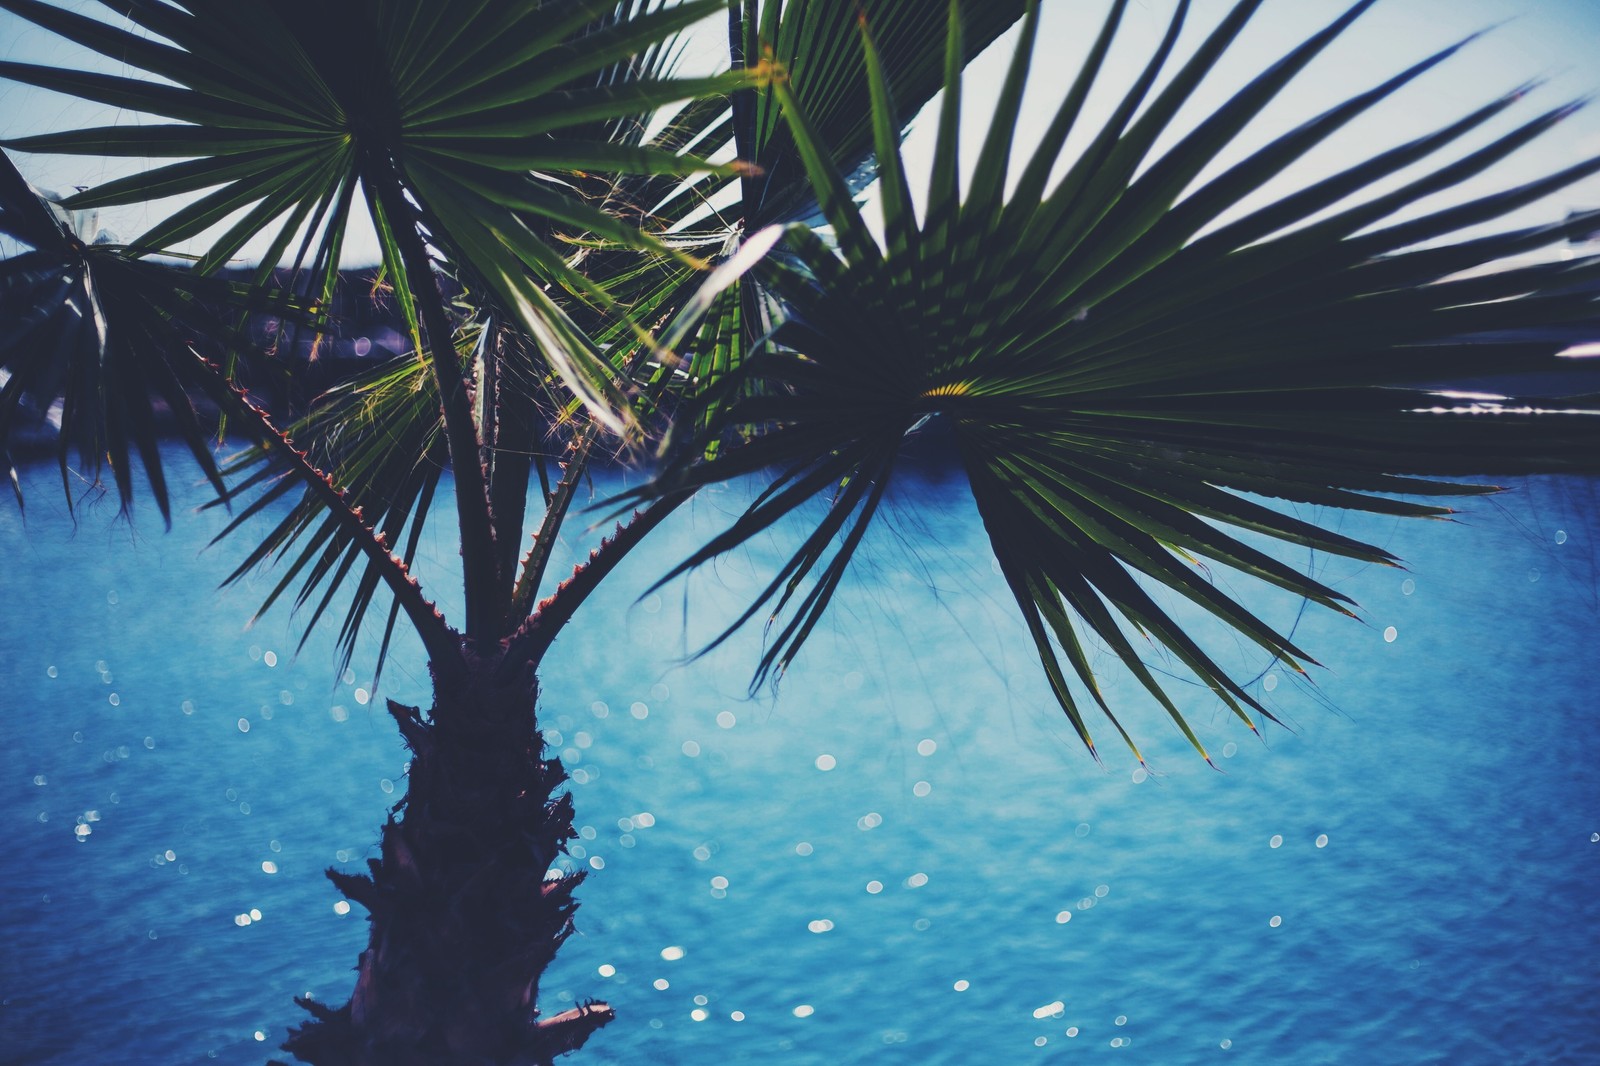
x=480, y=574
x=439, y=640
x=529, y=643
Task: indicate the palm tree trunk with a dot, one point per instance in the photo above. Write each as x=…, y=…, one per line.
x=465, y=910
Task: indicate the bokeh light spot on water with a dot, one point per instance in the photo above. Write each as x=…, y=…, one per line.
x=1561, y=538
x=874, y=887
x=826, y=762
x=1533, y=575
x=1082, y=830
x=962, y=985
x=1269, y=682
x=244, y=725
x=51, y=671
x=1063, y=917
x=699, y=1014
x=1408, y=586
x=719, y=882
x=1229, y=750
x=583, y=740
x=1276, y=841
x=702, y=853
x=1121, y=1019
x=1101, y=891
x=1057, y=1009
x=737, y=1015
x=639, y=710
x=870, y=820
x=927, y=746
x=269, y=867
x=149, y=743
x=599, y=709
x=241, y=920
x=39, y=779
x=82, y=832
x=921, y=788
x=819, y=925
x=1322, y=840
x=660, y=691
x=916, y=880
x=921, y=925
x=1275, y=921
x=386, y=785
x=803, y=848
x=1389, y=634
x=362, y=696
x=1139, y=774
x=607, y=970
x=672, y=953
x=1072, y=1030
x=1594, y=838
x=270, y=658
x=1118, y=1041
x=597, y=862
x=660, y=984
x=114, y=699
x=260, y=1036
x=1226, y=1044
x=691, y=749
x=1040, y=1041
x=726, y=719
x=255, y=914
x=804, y=1010
x=342, y=907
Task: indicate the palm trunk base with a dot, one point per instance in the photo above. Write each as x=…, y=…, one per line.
x=466, y=908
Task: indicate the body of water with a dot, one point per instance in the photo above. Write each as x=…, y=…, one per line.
x=903, y=857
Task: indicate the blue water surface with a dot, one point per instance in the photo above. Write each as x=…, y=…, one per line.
x=904, y=857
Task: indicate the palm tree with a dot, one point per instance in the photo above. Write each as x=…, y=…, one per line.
x=1126, y=359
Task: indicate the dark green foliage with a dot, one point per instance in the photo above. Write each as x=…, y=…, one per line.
x=1122, y=378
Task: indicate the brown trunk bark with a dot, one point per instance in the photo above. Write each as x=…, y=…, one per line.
x=465, y=910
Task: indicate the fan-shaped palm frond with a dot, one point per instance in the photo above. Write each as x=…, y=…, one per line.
x=103, y=346
x=472, y=134
x=1124, y=377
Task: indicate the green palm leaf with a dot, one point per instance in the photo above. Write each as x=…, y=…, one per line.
x=470, y=133
x=477, y=140
x=102, y=345
x=1121, y=384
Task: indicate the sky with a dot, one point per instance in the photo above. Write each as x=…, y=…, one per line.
x=1553, y=40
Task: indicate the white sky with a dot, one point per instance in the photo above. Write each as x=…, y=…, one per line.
x=1556, y=40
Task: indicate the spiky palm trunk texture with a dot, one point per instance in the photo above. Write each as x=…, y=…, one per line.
x=465, y=913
